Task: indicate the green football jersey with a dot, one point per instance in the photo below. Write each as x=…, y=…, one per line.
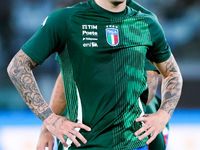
x=105, y=56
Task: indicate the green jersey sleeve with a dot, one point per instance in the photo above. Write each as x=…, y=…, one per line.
x=48, y=39
x=160, y=51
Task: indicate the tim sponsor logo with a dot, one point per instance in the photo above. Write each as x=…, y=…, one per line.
x=92, y=27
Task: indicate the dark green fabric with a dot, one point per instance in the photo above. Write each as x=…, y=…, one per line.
x=109, y=77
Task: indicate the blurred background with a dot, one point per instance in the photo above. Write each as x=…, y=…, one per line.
x=20, y=19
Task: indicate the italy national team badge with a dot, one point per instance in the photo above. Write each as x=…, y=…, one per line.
x=112, y=35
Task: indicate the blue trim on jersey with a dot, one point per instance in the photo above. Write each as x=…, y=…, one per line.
x=142, y=148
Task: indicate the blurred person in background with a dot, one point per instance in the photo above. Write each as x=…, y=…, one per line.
x=51, y=37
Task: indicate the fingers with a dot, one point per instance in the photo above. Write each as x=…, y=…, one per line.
x=72, y=136
x=62, y=126
x=62, y=140
x=144, y=127
x=146, y=130
x=142, y=119
x=73, y=133
x=146, y=133
x=151, y=138
x=78, y=135
x=82, y=126
x=152, y=126
x=46, y=140
x=73, y=139
x=50, y=145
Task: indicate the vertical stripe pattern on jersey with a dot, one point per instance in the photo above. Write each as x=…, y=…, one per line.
x=134, y=35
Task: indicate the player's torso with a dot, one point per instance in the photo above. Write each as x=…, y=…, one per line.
x=107, y=55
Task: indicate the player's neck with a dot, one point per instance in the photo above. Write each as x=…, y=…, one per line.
x=112, y=5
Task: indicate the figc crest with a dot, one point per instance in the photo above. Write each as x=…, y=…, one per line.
x=112, y=35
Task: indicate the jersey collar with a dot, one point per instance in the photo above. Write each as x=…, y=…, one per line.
x=106, y=12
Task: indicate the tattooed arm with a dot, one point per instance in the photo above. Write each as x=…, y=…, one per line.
x=152, y=81
x=171, y=85
x=171, y=91
x=20, y=72
x=58, y=105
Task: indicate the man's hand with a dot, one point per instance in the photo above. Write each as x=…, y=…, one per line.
x=46, y=139
x=61, y=126
x=153, y=125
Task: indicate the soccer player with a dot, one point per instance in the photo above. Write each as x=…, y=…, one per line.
x=58, y=104
x=106, y=42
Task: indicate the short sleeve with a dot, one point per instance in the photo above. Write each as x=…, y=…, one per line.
x=160, y=51
x=48, y=39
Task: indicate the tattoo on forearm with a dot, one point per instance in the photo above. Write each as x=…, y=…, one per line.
x=171, y=87
x=20, y=72
x=170, y=67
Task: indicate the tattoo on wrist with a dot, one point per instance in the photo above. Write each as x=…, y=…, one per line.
x=43, y=115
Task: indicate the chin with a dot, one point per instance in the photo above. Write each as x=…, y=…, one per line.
x=117, y=1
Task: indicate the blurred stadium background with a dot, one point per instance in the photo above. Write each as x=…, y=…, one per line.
x=19, y=19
